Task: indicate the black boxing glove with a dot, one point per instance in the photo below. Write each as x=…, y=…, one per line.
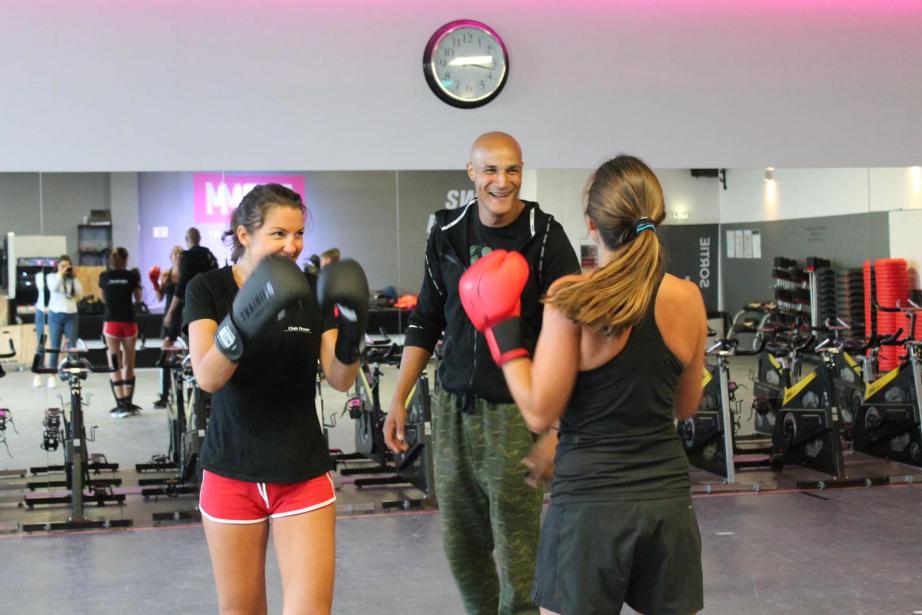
x=276, y=283
x=342, y=286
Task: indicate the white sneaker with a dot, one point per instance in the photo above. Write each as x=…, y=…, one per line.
x=119, y=412
x=52, y=382
x=36, y=381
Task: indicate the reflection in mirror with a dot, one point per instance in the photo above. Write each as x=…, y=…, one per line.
x=382, y=218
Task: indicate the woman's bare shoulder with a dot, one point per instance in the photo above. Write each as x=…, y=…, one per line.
x=681, y=298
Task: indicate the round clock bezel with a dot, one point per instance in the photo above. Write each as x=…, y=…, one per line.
x=429, y=58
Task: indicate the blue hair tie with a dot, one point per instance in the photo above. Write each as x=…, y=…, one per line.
x=644, y=224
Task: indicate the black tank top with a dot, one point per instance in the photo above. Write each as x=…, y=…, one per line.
x=617, y=435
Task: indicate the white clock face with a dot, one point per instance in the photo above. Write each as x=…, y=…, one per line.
x=467, y=65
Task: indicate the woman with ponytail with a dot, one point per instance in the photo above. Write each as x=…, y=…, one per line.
x=121, y=289
x=619, y=358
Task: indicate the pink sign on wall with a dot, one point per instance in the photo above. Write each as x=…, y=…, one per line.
x=218, y=194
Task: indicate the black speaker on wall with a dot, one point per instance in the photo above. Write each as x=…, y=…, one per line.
x=720, y=174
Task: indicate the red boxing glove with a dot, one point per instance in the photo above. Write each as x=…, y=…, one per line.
x=490, y=293
x=154, y=276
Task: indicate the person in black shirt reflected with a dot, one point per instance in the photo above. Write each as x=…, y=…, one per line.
x=121, y=289
x=197, y=259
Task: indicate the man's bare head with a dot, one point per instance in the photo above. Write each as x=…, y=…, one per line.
x=489, y=142
x=495, y=167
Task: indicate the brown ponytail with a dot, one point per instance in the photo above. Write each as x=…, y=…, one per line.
x=624, y=201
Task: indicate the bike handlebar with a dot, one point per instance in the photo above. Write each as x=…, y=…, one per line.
x=74, y=363
x=731, y=346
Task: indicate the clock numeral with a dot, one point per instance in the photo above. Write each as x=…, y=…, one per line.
x=490, y=76
x=468, y=37
x=483, y=85
x=455, y=41
x=480, y=41
x=449, y=52
x=447, y=74
x=443, y=62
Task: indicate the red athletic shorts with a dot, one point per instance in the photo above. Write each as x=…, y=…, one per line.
x=228, y=500
x=120, y=329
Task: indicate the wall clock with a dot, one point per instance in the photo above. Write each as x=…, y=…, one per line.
x=466, y=63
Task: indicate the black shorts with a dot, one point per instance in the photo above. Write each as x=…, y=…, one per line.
x=596, y=556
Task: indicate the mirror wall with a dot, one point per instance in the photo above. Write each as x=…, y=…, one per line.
x=381, y=217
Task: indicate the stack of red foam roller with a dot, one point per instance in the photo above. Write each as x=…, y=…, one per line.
x=892, y=288
x=870, y=327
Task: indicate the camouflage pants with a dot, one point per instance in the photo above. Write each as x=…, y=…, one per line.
x=485, y=504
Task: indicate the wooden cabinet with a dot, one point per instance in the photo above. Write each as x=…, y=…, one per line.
x=89, y=279
x=27, y=344
x=23, y=337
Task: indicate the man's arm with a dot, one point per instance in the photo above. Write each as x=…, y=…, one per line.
x=412, y=363
x=425, y=325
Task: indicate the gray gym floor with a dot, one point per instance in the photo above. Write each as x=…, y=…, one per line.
x=846, y=551
x=835, y=551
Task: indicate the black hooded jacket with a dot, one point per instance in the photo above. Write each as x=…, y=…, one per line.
x=467, y=368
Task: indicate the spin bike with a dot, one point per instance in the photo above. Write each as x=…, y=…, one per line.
x=6, y=416
x=77, y=462
x=7, y=355
x=889, y=422
x=808, y=425
x=779, y=366
x=415, y=465
x=364, y=407
x=764, y=321
x=710, y=437
x=855, y=370
x=188, y=409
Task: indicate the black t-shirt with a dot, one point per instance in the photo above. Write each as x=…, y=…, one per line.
x=264, y=425
x=485, y=238
x=195, y=260
x=118, y=286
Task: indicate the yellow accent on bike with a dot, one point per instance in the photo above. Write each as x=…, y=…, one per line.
x=881, y=382
x=791, y=393
x=852, y=363
x=706, y=378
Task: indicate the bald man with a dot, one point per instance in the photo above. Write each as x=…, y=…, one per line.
x=479, y=436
